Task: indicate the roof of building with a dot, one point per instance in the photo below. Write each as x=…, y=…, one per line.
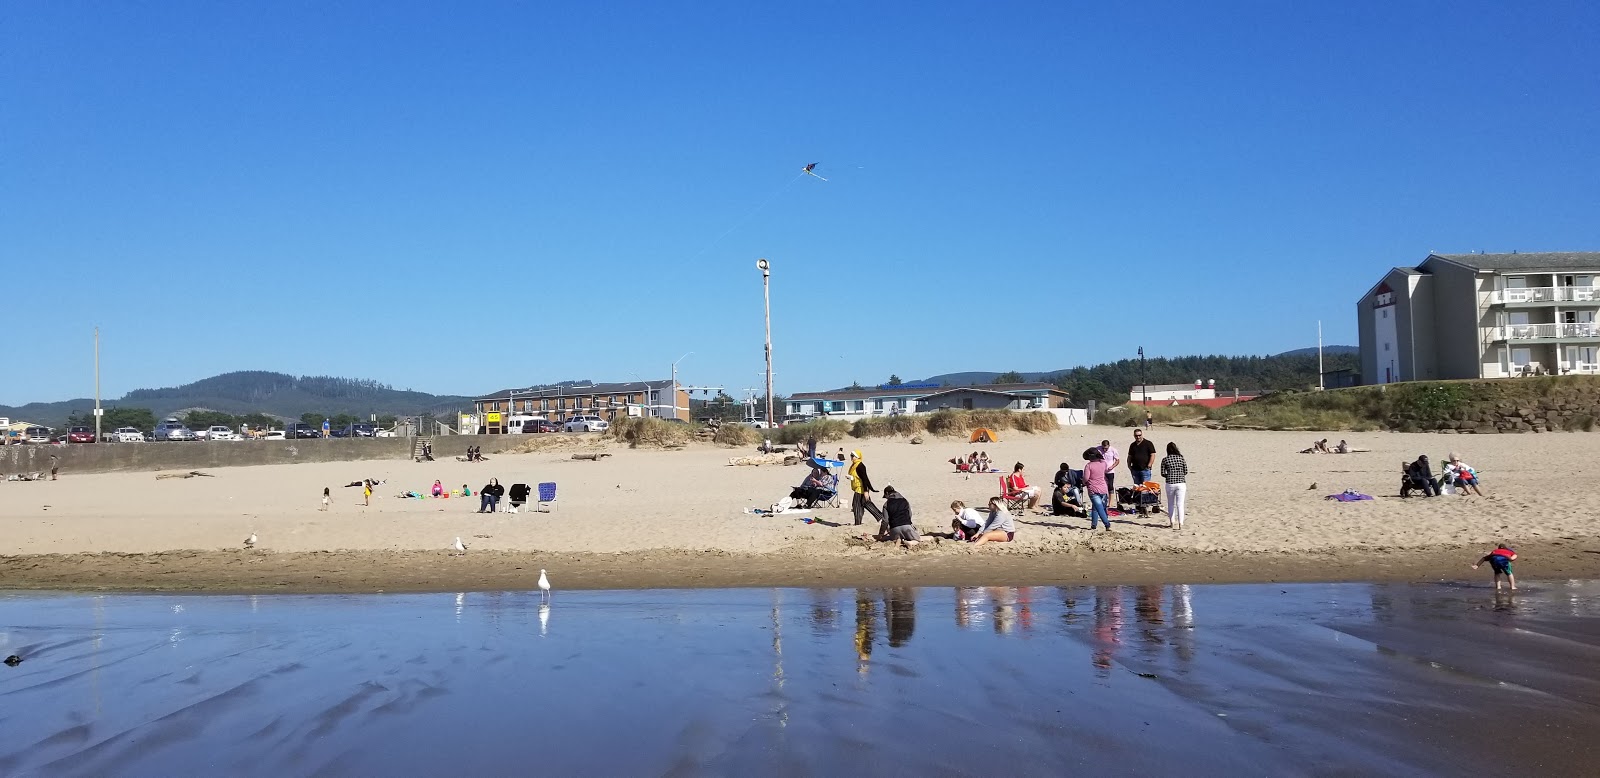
x=538, y=392
x=980, y=390
x=1173, y=387
x=1546, y=260
x=915, y=390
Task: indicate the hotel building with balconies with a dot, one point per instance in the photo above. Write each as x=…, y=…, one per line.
x=1482, y=316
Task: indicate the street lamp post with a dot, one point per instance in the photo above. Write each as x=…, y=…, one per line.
x=1144, y=384
x=675, y=384
x=98, y=413
x=766, y=296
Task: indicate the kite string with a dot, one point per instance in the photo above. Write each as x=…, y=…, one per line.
x=747, y=217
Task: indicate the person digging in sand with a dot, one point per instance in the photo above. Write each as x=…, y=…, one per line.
x=1500, y=559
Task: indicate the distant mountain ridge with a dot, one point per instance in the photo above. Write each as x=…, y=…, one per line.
x=258, y=391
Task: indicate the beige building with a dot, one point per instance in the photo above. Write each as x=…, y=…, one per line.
x=661, y=399
x=1482, y=316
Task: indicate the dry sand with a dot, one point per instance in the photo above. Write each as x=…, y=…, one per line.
x=646, y=512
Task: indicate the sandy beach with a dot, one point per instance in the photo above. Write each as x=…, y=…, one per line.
x=1254, y=514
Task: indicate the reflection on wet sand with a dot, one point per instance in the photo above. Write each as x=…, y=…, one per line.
x=1259, y=679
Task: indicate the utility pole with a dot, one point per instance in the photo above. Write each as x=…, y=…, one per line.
x=766, y=296
x=1144, y=384
x=97, y=410
x=675, y=386
x=1319, y=355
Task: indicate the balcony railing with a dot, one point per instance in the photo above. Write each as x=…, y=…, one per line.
x=1545, y=331
x=1547, y=294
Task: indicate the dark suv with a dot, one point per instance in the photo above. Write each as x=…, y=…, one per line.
x=298, y=430
x=356, y=431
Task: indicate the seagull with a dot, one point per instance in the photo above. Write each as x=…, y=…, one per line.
x=544, y=584
x=250, y=542
x=459, y=546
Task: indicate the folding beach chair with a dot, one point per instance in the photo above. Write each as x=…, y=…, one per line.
x=547, y=495
x=1016, y=502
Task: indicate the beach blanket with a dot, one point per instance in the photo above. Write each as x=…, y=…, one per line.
x=1349, y=495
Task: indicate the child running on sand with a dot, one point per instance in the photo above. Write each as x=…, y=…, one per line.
x=327, y=497
x=1500, y=559
x=366, y=492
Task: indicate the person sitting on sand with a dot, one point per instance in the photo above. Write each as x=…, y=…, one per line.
x=997, y=528
x=897, y=524
x=984, y=465
x=961, y=464
x=465, y=492
x=967, y=522
x=1342, y=448
x=972, y=462
x=1018, y=484
x=438, y=488
x=1418, y=475
x=1500, y=559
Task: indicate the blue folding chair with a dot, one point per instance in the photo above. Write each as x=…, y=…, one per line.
x=547, y=495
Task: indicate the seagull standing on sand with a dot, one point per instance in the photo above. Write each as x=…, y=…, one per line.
x=544, y=586
x=250, y=542
x=461, y=548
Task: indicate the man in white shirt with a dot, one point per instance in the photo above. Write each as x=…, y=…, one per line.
x=1108, y=454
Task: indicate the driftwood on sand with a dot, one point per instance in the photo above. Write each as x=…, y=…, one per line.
x=190, y=474
x=590, y=457
x=765, y=459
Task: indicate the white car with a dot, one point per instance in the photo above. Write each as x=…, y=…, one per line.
x=586, y=424
x=274, y=435
x=127, y=435
x=220, y=432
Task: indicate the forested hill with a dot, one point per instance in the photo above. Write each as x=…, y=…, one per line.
x=1110, y=382
x=257, y=391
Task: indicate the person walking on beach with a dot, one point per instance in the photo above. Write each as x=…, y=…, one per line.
x=1108, y=455
x=1097, y=477
x=1175, y=471
x=861, y=488
x=1148, y=419
x=1500, y=559
x=366, y=491
x=1141, y=455
x=55, y=466
x=327, y=497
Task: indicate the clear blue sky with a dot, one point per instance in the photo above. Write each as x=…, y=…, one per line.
x=375, y=190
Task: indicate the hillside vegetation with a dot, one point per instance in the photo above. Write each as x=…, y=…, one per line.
x=1542, y=404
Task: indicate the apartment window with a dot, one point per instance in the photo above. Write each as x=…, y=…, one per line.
x=858, y=405
x=877, y=405
x=1386, y=347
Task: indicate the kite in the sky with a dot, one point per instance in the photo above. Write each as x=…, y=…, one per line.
x=811, y=170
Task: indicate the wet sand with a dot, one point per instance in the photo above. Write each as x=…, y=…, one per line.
x=881, y=565
x=1263, y=679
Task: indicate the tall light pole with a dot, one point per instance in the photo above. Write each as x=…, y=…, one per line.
x=1320, y=387
x=675, y=383
x=1144, y=385
x=97, y=411
x=766, y=296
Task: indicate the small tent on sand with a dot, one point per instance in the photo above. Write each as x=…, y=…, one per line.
x=984, y=435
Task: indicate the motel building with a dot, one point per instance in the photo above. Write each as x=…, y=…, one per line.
x=1482, y=316
x=889, y=400
x=658, y=399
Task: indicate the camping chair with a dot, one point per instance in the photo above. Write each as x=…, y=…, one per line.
x=1016, y=502
x=547, y=495
x=832, y=498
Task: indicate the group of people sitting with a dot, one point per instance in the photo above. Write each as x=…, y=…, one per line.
x=976, y=462
x=1418, y=476
x=820, y=486
x=1321, y=447
x=474, y=454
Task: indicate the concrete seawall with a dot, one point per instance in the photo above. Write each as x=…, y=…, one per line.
x=201, y=455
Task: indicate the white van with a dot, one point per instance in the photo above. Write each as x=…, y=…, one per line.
x=514, y=424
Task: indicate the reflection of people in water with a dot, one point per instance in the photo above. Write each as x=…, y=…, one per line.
x=902, y=606
x=1005, y=608
x=1147, y=611
x=1107, y=626
x=966, y=605
x=1182, y=623
x=866, y=618
x=824, y=611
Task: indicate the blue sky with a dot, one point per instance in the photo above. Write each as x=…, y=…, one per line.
x=377, y=190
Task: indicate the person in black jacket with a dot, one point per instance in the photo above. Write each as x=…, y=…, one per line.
x=1419, y=475
x=897, y=525
x=489, y=496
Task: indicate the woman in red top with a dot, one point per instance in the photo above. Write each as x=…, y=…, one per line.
x=1019, y=485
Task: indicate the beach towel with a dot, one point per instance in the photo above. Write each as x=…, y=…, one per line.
x=1349, y=495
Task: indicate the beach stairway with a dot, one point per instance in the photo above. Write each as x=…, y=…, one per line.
x=416, y=446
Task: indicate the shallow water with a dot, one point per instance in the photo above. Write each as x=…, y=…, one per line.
x=1279, y=680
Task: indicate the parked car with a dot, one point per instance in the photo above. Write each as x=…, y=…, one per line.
x=219, y=432
x=36, y=435
x=80, y=435
x=298, y=430
x=360, y=430
x=126, y=435
x=517, y=425
x=586, y=424
x=274, y=435
x=172, y=429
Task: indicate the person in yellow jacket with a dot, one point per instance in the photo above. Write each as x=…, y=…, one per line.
x=861, y=485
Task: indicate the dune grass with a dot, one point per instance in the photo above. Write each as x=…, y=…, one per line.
x=1133, y=415
x=825, y=430
x=650, y=432
x=737, y=435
